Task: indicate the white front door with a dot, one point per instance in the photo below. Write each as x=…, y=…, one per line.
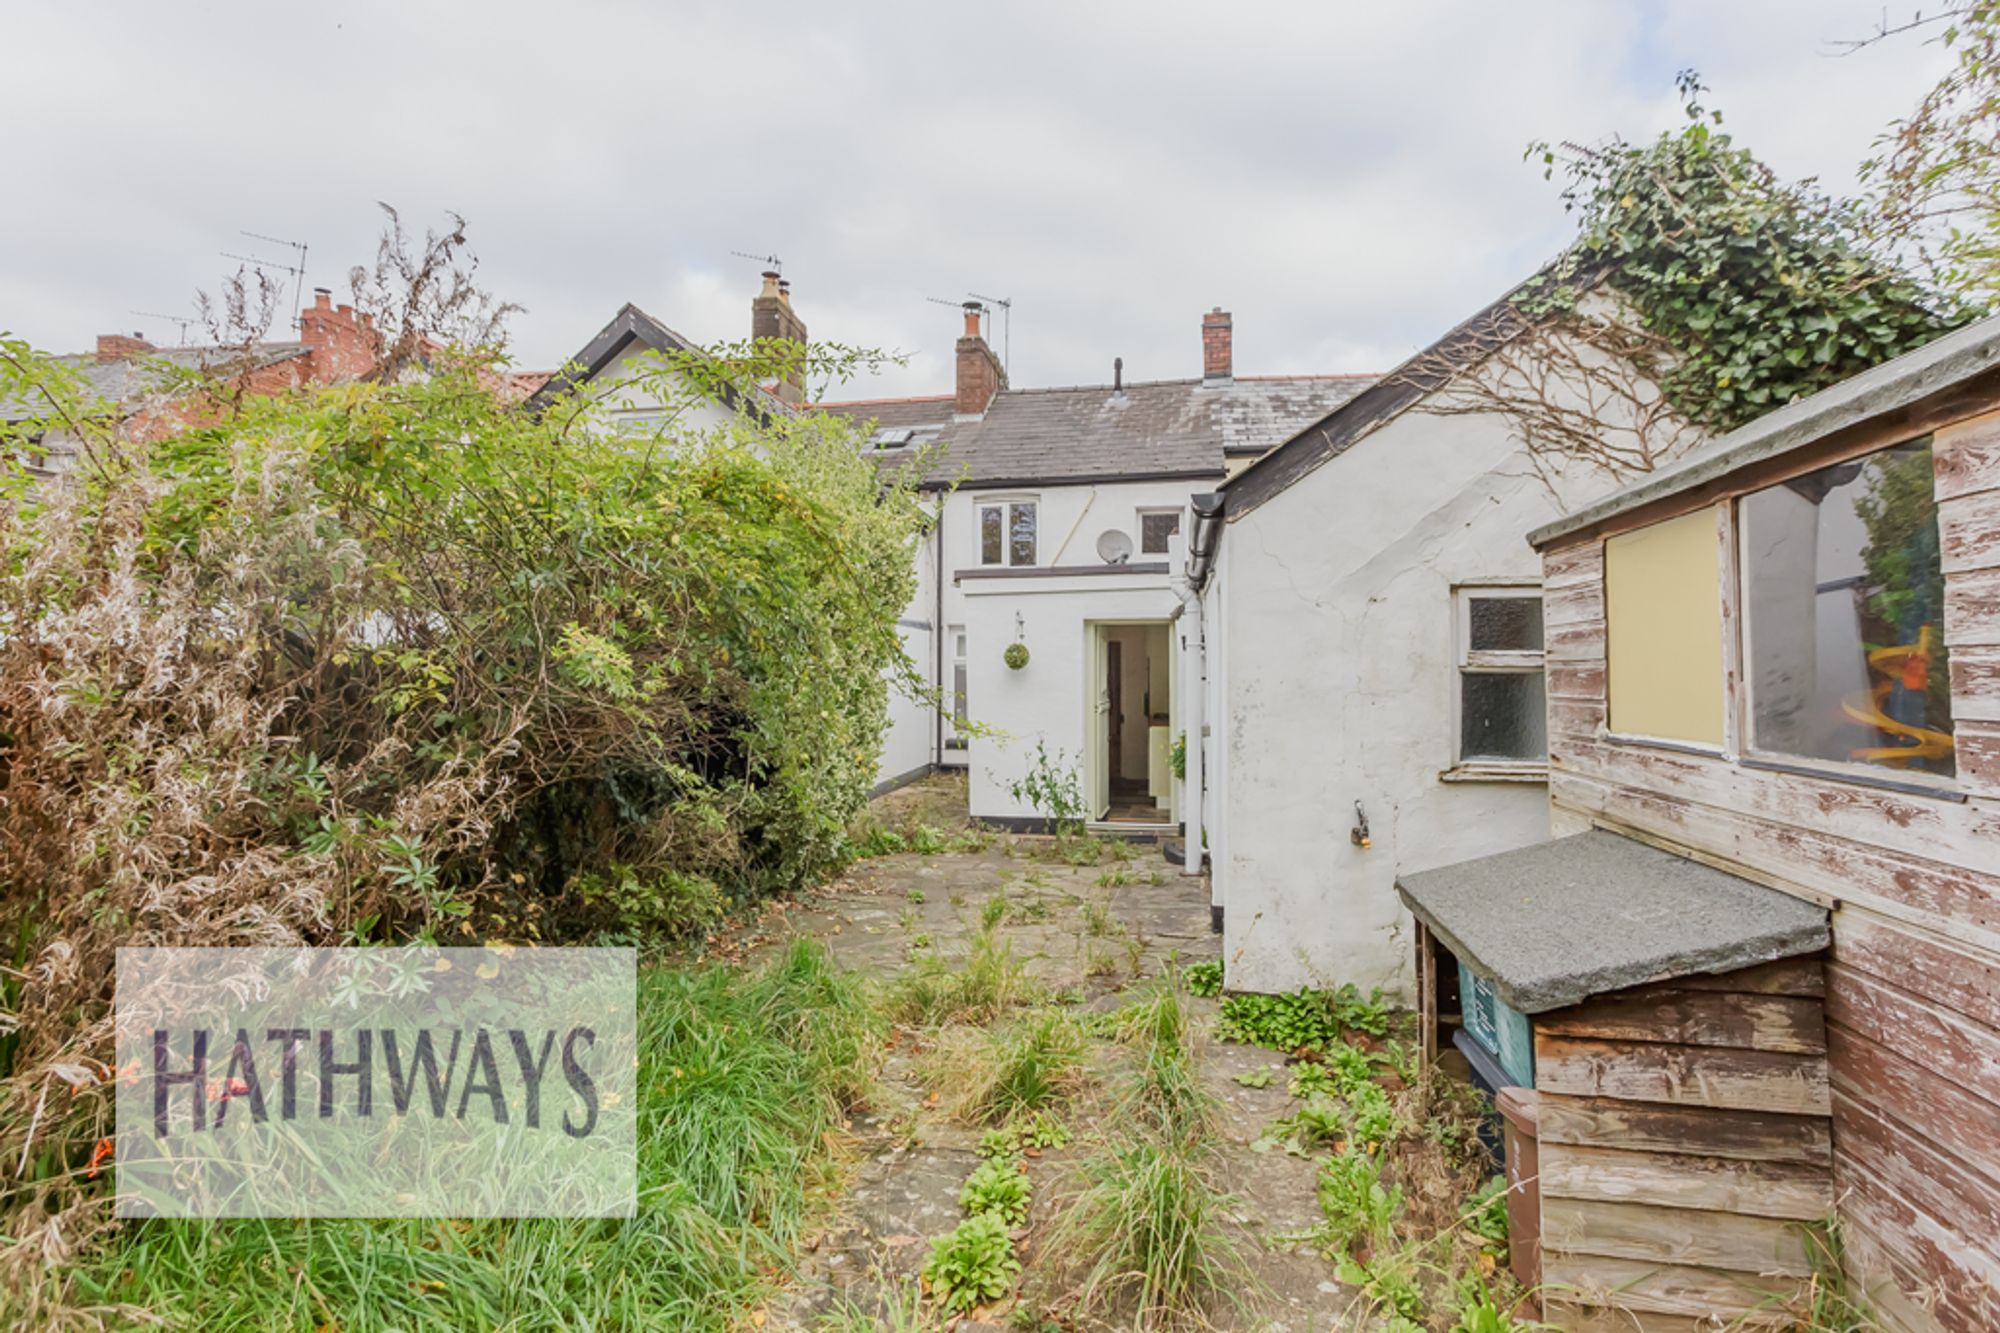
x=1097, y=726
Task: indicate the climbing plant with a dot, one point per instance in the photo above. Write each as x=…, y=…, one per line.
x=1758, y=290
x=1700, y=292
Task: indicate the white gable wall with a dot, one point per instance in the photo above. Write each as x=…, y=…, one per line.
x=1333, y=658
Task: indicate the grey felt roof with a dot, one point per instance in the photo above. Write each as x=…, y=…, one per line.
x=124, y=383
x=1934, y=368
x=1556, y=923
x=1164, y=428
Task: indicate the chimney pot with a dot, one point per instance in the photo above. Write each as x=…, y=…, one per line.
x=772, y=318
x=1118, y=374
x=1217, y=330
x=980, y=375
x=322, y=298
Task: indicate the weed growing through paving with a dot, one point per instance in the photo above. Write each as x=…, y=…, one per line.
x=998, y=1187
x=1153, y=1229
x=973, y=1264
x=1203, y=980
x=975, y=987
x=992, y=1078
x=1025, y=1137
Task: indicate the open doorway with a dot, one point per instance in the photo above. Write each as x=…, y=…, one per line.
x=1128, y=759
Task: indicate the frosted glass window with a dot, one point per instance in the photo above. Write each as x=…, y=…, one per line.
x=1502, y=713
x=1505, y=624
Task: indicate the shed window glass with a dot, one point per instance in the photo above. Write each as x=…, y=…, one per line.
x=1844, y=606
x=1663, y=630
x=1502, y=714
x=1007, y=533
x=1156, y=529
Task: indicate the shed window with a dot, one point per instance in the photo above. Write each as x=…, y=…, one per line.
x=1156, y=529
x=1007, y=533
x=1844, y=605
x=1663, y=630
x=1502, y=716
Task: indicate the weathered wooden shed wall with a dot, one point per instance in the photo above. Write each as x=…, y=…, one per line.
x=1913, y=987
x=1685, y=1150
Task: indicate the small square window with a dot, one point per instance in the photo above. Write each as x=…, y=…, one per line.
x=1157, y=529
x=1504, y=624
x=1502, y=716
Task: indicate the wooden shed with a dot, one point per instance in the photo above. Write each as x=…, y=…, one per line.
x=1781, y=658
x=1679, y=1070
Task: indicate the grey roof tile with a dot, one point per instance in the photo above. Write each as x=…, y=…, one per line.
x=1165, y=428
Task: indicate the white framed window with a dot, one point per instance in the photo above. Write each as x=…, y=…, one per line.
x=1007, y=532
x=959, y=714
x=1501, y=710
x=1156, y=528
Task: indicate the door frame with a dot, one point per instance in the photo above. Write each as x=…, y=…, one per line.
x=1096, y=705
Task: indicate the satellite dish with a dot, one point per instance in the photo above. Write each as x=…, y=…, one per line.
x=1113, y=547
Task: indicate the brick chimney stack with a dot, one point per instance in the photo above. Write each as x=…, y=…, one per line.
x=120, y=347
x=1216, y=335
x=772, y=317
x=341, y=344
x=980, y=375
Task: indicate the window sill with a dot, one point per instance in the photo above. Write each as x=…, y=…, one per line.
x=1936, y=788
x=1481, y=771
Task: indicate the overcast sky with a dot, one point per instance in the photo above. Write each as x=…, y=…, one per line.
x=1346, y=178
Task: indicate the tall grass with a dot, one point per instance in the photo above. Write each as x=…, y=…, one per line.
x=1153, y=1229
x=742, y=1076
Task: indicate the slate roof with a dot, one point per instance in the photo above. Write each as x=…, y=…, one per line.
x=1554, y=924
x=1163, y=428
x=122, y=384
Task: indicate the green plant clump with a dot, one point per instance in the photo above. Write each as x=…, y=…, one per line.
x=973, y=1264
x=1000, y=1188
x=1204, y=979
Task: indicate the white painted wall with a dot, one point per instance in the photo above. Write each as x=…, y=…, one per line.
x=1051, y=697
x=1333, y=669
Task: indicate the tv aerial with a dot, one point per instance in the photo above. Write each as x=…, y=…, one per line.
x=1005, y=305
x=180, y=321
x=297, y=268
x=772, y=262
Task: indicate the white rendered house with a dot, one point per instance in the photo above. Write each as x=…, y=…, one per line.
x=1059, y=514
x=1374, y=654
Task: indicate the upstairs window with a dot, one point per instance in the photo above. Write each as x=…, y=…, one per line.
x=1502, y=716
x=1843, y=594
x=1007, y=533
x=1156, y=528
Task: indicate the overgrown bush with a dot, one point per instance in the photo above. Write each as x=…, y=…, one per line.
x=396, y=659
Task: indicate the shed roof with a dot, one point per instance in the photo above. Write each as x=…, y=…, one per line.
x=1162, y=428
x=1553, y=924
x=1934, y=368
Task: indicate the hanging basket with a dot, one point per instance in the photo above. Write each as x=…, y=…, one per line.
x=1016, y=656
